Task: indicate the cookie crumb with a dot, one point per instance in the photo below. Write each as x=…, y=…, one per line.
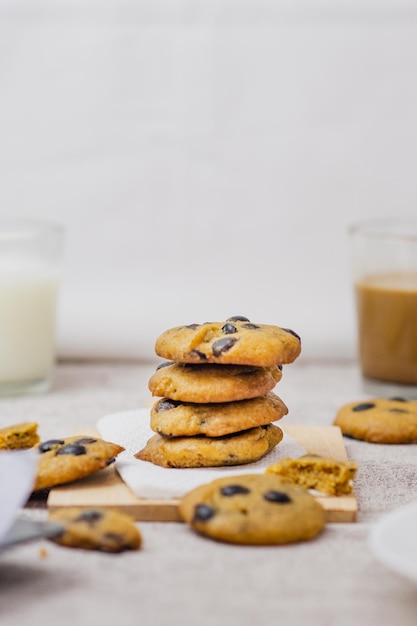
x=43, y=553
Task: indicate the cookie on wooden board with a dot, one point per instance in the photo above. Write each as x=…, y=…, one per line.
x=247, y=446
x=65, y=460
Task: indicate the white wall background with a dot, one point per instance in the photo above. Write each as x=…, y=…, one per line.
x=206, y=156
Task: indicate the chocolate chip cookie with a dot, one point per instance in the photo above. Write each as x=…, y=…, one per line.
x=380, y=420
x=64, y=460
x=244, y=447
x=212, y=383
x=324, y=474
x=19, y=436
x=259, y=509
x=236, y=341
x=172, y=418
x=101, y=529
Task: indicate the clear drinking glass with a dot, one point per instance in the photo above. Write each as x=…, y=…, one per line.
x=384, y=259
x=30, y=264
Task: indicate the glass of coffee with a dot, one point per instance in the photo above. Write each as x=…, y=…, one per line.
x=384, y=260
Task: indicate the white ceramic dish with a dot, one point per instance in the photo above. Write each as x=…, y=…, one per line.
x=24, y=530
x=17, y=475
x=393, y=540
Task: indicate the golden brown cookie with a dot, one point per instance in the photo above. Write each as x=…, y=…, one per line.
x=324, y=474
x=212, y=383
x=106, y=530
x=380, y=420
x=180, y=419
x=64, y=460
x=200, y=451
x=258, y=509
x=236, y=341
x=19, y=436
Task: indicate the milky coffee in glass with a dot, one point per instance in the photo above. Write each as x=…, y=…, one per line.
x=384, y=256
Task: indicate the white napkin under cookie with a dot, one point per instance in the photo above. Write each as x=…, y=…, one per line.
x=131, y=430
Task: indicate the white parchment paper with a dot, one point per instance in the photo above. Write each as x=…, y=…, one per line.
x=131, y=430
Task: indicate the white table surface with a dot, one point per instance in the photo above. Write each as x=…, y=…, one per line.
x=180, y=578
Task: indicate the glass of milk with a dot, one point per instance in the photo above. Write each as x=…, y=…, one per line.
x=30, y=264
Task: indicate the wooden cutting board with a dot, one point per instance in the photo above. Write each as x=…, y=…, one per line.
x=106, y=488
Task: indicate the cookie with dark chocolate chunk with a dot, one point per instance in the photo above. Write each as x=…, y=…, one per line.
x=65, y=460
x=257, y=509
x=379, y=420
x=173, y=418
x=205, y=383
x=236, y=341
x=106, y=530
x=246, y=446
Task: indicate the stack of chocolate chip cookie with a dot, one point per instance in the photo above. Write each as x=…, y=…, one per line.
x=216, y=404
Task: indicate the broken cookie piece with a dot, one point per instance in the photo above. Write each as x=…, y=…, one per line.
x=324, y=474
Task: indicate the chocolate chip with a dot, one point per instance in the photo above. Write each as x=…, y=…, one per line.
x=202, y=513
x=85, y=440
x=251, y=326
x=114, y=538
x=398, y=399
x=229, y=329
x=398, y=411
x=199, y=354
x=166, y=405
x=232, y=490
x=364, y=406
x=237, y=318
x=91, y=517
x=223, y=345
x=192, y=326
x=277, y=496
x=280, y=367
x=50, y=445
x=72, y=448
x=292, y=332
x=164, y=364
x=110, y=460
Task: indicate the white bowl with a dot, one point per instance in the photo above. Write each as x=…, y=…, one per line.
x=393, y=540
x=17, y=476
